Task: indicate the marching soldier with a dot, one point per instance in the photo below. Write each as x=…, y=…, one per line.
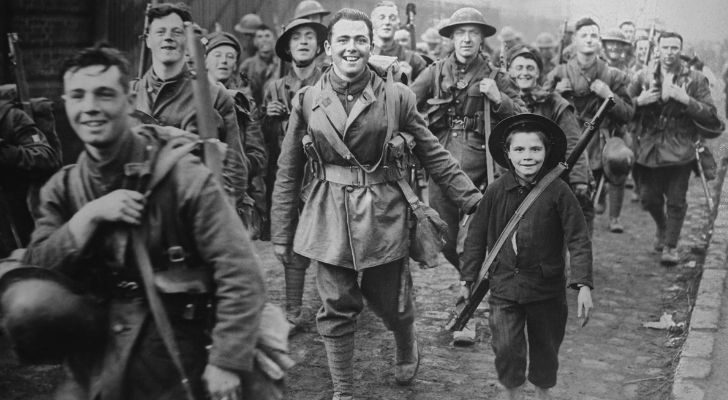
x=616, y=49
x=452, y=90
x=164, y=93
x=25, y=157
x=385, y=20
x=354, y=218
x=433, y=40
x=199, y=253
x=672, y=112
x=222, y=56
x=585, y=81
x=264, y=66
x=247, y=26
x=546, y=45
x=300, y=43
x=403, y=38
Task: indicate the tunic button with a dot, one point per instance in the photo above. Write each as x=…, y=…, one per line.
x=350, y=189
x=118, y=328
x=350, y=97
x=457, y=101
x=482, y=146
x=454, y=134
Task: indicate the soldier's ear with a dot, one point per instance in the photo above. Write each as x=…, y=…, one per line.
x=327, y=48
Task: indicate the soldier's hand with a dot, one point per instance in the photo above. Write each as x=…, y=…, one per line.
x=601, y=89
x=464, y=294
x=563, y=86
x=648, y=97
x=580, y=189
x=275, y=109
x=283, y=253
x=406, y=69
x=676, y=92
x=490, y=89
x=121, y=205
x=222, y=384
x=584, y=304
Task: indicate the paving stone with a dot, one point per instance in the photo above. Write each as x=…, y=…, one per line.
x=692, y=367
x=685, y=390
x=704, y=318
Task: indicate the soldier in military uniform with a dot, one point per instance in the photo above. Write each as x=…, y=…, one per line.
x=451, y=91
x=585, y=81
x=264, y=66
x=165, y=94
x=247, y=26
x=83, y=239
x=385, y=18
x=547, y=46
x=300, y=43
x=671, y=114
x=222, y=56
x=354, y=220
x=25, y=157
x=311, y=10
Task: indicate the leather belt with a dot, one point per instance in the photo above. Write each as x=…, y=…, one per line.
x=355, y=176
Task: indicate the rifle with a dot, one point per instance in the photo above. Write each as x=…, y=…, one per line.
x=207, y=129
x=708, y=197
x=464, y=310
x=657, y=74
x=143, y=43
x=20, y=79
x=562, y=45
x=410, y=26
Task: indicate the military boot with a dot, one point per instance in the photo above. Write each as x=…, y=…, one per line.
x=340, y=354
x=407, y=355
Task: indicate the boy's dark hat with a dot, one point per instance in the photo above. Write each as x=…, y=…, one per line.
x=283, y=42
x=528, y=122
x=217, y=39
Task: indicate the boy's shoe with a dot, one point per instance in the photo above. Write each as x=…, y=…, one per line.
x=669, y=256
x=615, y=226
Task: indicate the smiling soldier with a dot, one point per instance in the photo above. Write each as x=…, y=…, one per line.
x=354, y=218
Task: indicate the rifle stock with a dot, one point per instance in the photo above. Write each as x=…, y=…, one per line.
x=21, y=81
x=143, y=43
x=464, y=310
x=207, y=129
x=562, y=45
x=410, y=26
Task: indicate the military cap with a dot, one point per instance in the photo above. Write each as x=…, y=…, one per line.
x=217, y=39
x=524, y=51
x=617, y=160
x=615, y=35
x=308, y=8
x=528, y=123
x=466, y=16
x=248, y=24
x=431, y=36
x=545, y=39
x=283, y=42
x=586, y=21
x=507, y=34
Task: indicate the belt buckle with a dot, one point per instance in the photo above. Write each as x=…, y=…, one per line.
x=457, y=123
x=176, y=254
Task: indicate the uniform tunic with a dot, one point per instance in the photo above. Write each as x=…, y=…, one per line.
x=355, y=226
x=259, y=72
x=217, y=241
x=417, y=63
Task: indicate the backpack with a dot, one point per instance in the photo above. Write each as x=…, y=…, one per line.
x=42, y=115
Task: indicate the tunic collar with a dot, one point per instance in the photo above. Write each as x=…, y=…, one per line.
x=343, y=87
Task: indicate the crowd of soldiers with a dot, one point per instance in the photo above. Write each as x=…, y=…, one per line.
x=140, y=273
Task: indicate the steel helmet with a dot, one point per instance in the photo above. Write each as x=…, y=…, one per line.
x=283, y=42
x=307, y=8
x=615, y=35
x=467, y=16
x=545, y=39
x=431, y=36
x=617, y=160
x=248, y=24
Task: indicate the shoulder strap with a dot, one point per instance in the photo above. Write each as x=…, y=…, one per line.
x=335, y=141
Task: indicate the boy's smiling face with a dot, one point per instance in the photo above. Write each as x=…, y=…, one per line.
x=527, y=153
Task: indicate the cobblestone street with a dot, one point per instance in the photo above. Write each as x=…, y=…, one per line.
x=613, y=357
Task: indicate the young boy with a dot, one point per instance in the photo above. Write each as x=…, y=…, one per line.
x=527, y=278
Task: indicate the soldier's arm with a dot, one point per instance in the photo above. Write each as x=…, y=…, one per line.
x=418, y=65
x=52, y=245
x=635, y=87
x=623, y=109
x=23, y=147
x=224, y=246
x=476, y=241
x=422, y=87
x=434, y=158
x=700, y=107
x=235, y=167
x=291, y=163
x=254, y=143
